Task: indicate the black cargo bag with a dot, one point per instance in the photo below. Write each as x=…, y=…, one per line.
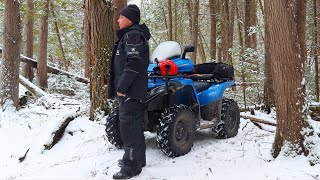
x=218, y=70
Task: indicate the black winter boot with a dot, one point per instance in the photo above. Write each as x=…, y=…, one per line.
x=126, y=174
x=121, y=163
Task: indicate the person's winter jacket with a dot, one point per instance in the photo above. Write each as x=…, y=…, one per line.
x=130, y=60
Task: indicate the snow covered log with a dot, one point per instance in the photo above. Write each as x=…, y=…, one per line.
x=31, y=87
x=258, y=120
x=57, y=128
x=52, y=69
x=314, y=111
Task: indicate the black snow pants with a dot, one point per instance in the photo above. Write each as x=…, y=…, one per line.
x=131, y=113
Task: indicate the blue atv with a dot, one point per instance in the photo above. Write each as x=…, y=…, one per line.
x=183, y=98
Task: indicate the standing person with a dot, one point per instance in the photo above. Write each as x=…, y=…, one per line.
x=129, y=85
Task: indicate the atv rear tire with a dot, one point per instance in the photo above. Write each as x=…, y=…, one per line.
x=230, y=120
x=175, y=134
x=113, y=129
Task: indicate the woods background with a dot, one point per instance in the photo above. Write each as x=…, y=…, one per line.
x=273, y=46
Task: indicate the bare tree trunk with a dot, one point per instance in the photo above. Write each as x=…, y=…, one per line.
x=268, y=92
x=9, y=74
x=240, y=32
x=27, y=70
x=213, y=32
x=300, y=12
x=189, y=9
x=169, y=21
x=180, y=24
x=201, y=47
x=224, y=31
x=43, y=46
x=231, y=15
x=56, y=27
x=195, y=27
x=175, y=21
x=268, y=96
x=244, y=94
x=285, y=21
x=101, y=39
x=241, y=44
x=316, y=49
x=165, y=21
x=118, y=5
x=250, y=22
x=87, y=46
x=250, y=34
x=219, y=30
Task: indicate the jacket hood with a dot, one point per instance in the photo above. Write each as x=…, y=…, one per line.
x=143, y=28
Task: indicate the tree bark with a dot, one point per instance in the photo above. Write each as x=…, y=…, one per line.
x=213, y=32
x=224, y=31
x=43, y=47
x=195, y=26
x=316, y=49
x=86, y=36
x=165, y=21
x=169, y=21
x=27, y=70
x=56, y=27
x=240, y=32
x=101, y=39
x=201, y=47
x=250, y=21
x=189, y=11
x=231, y=15
x=175, y=21
x=286, y=33
x=9, y=74
x=268, y=92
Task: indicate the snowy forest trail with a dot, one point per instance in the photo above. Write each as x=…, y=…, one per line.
x=84, y=153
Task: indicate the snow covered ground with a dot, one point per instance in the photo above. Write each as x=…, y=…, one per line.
x=84, y=152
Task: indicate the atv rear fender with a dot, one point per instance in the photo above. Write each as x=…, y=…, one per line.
x=214, y=92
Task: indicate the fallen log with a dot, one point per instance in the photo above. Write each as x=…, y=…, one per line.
x=58, y=133
x=54, y=70
x=51, y=69
x=22, y=158
x=35, y=90
x=51, y=134
x=254, y=119
x=314, y=111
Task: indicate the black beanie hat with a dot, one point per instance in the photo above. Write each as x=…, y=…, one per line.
x=132, y=12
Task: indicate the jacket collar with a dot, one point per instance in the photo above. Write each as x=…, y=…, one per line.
x=121, y=32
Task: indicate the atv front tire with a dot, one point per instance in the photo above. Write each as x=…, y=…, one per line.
x=113, y=129
x=230, y=120
x=176, y=132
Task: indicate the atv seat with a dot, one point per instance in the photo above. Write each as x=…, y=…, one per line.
x=201, y=86
x=197, y=77
x=208, y=77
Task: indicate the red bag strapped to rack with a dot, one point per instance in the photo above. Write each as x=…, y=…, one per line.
x=164, y=64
